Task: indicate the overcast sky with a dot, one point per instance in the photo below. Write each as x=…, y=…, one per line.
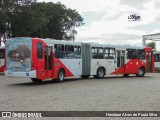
x=106, y=21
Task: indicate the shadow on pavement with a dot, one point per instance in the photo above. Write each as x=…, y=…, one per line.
x=74, y=80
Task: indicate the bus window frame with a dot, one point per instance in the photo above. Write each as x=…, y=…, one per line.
x=131, y=57
x=96, y=54
x=60, y=53
x=75, y=53
x=142, y=57
x=67, y=52
x=158, y=57
x=109, y=53
x=38, y=51
x=3, y=53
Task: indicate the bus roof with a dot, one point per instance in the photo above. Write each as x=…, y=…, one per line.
x=117, y=46
x=50, y=41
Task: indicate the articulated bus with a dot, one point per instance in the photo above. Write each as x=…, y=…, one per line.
x=157, y=61
x=41, y=59
x=2, y=59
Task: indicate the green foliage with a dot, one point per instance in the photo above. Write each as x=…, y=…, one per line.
x=3, y=19
x=152, y=45
x=28, y=21
x=19, y=18
x=7, y=8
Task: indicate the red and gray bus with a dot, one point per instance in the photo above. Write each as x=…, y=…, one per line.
x=41, y=59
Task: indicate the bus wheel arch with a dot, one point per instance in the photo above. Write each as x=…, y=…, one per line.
x=101, y=71
x=141, y=72
x=61, y=75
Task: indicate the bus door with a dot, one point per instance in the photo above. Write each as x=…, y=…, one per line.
x=40, y=61
x=43, y=63
x=48, y=62
x=120, y=60
x=148, y=61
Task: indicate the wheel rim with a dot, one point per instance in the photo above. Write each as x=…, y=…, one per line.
x=140, y=72
x=61, y=76
x=100, y=73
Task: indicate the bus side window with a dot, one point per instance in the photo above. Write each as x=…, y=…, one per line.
x=100, y=53
x=106, y=53
x=112, y=54
x=2, y=54
x=94, y=52
x=131, y=54
x=39, y=50
x=157, y=57
x=109, y=53
x=59, y=51
x=97, y=53
x=141, y=54
x=69, y=50
x=77, y=52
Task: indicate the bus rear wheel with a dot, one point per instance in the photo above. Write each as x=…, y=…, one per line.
x=60, y=76
x=100, y=73
x=141, y=72
x=35, y=80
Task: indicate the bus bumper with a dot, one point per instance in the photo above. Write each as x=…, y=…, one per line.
x=31, y=74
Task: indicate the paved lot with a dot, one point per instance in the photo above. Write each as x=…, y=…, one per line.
x=109, y=94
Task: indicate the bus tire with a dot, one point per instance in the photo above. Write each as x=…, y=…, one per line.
x=125, y=75
x=35, y=80
x=100, y=73
x=141, y=72
x=60, y=76
x=85, y=76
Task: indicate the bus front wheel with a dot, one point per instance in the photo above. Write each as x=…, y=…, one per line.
x=60, y=76
x=141, y=72
x=35, y=80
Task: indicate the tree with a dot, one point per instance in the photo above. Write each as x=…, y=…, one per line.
x=7, y=8
x=28, y=21
x=33, y=19
x=61, y=21
x=152, y=45
x=70, y=35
